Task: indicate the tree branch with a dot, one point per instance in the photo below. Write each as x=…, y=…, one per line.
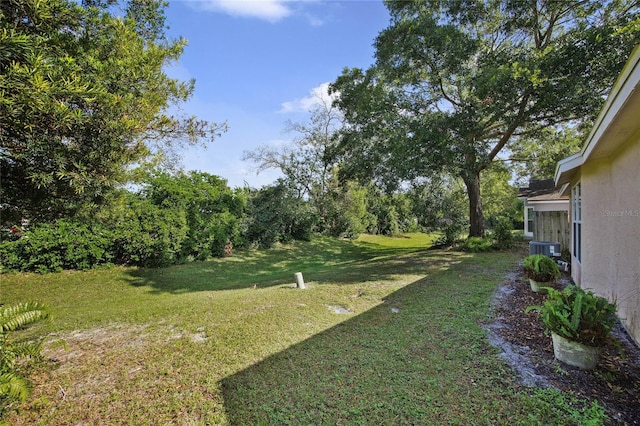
x=512, y=128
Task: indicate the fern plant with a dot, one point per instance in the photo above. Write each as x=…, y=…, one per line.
x=16, y=356
x=577, y=315
x=540, y=268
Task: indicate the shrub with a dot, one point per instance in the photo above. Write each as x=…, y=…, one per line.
x=451, y=231
x=477, y=244
x=57, y=246
x=211, y=209
x=147, y=235
x=276, y=214
x=502, y=233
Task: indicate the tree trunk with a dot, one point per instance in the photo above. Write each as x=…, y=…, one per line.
x=476, y=217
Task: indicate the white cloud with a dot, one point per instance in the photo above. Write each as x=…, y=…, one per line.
x=317, y=96
x=269, y=10
x=177, y=70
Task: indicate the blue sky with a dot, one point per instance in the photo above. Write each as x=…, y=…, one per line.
x=258, y=63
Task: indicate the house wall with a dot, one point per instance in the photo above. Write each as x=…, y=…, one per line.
x=611, y=231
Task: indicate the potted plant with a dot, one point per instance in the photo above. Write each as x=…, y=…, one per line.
x=540, y=270
x=579, y=323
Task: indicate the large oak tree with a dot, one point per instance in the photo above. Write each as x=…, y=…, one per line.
x=458, y=83
x=83, y=96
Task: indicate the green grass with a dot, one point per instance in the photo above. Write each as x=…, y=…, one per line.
x=231, y=342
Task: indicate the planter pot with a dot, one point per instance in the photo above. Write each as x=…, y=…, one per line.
x=574, y=353
x=537, y=286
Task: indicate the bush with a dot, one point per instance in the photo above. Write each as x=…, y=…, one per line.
x=451, y=231
x=502, y=233
x=147, y=235
x=211, y=210
x=539, y=267
x=578, y=315
x=277, y=214
x=57, y=246
x=477, y=244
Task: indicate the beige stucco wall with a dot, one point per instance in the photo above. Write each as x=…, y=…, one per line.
x=611, y=231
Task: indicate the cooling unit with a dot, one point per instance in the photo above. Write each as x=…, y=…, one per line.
x=547, y=248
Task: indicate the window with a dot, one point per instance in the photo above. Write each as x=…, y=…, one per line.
x=530, y=217
x=576, y=220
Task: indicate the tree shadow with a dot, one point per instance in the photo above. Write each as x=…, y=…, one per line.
x=392, y=364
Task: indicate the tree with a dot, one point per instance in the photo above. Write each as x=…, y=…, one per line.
x=346, y=212
x=212, y=210
x=307, y=163
x=500, y=197
x=457, y=82
x=536, y=155
x=438, y=205
x=83, y=96
x=276, y=213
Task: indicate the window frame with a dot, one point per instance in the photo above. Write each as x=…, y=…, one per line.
x=530, y=220
x=576, y=221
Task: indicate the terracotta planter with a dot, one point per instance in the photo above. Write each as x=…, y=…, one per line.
x=537, y=286
x=574, y=353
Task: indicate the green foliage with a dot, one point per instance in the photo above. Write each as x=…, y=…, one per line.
x=16, y=357
x=578, y=315
x=499, y=196
x=540, y=268
x=437, y=203
x=502, y=233
x=83, y=95
x=57, y=246
x=465, y=81
x=390, y=214
x=451, y=232
x=477, y=244
x=276, y=214
x=346, y=213
x=145, y=234
x=537, y=154
x=212, y=210
x=576, y=412
x=173, y=218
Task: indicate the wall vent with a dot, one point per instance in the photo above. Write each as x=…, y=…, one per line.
x=548, y=248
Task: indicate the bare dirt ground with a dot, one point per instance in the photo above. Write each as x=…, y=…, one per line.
x=615, y=382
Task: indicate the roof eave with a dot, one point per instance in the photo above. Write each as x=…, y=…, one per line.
x=567, y=168
x=623, y=89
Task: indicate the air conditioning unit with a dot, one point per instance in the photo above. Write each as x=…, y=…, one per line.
x=548, y=248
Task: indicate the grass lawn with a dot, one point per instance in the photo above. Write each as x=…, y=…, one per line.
x=231, y=341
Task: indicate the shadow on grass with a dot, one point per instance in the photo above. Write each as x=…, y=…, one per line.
x=418, y=358
x=323, y=259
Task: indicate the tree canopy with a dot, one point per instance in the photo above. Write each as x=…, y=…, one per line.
x=83, y=96
x=456, y=84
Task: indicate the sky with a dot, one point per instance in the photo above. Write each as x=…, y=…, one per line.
x=259, y=63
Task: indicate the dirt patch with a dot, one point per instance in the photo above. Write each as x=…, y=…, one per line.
x=615, y=382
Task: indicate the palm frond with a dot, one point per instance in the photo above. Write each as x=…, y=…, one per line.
x=15, y=317
x=14, y=386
